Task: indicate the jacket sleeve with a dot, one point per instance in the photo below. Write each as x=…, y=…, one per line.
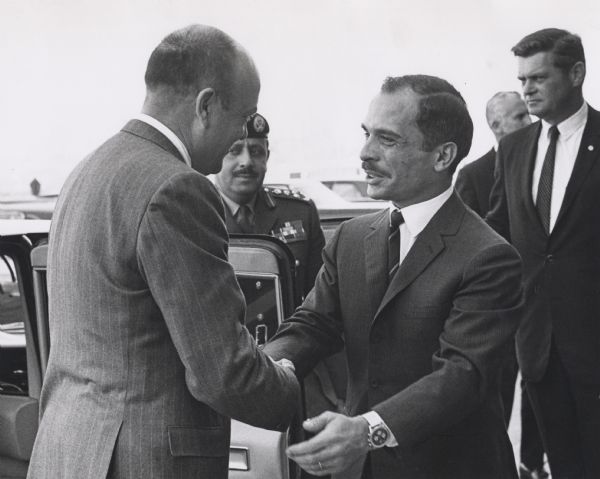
x=182, y=252
x=315, y=329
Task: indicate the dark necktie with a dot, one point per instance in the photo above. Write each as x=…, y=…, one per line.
x=544, y=193
x=394, y=243
x=244, y=219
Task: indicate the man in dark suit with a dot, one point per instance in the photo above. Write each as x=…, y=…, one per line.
x=149, y=357
x=545, y=201
x=505, y=112
x=423, y=295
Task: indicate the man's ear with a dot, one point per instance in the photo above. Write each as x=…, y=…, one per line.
x=577, y=73
x=446, y=155
x=205, y=104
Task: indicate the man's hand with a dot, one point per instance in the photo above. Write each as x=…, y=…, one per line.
x=339, y=442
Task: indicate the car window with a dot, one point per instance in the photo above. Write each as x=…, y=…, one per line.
x=13, y=362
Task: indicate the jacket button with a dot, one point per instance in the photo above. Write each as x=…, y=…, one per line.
x=550, y=258
x=374, y=383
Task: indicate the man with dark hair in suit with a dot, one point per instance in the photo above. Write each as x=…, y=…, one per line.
x=505, y=112
x=148, y=354
x=545, y=202
x=424, y=297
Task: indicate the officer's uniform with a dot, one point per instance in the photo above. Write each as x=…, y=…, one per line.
x=293, y=219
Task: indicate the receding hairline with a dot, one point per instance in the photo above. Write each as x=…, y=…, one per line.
x=492, y=104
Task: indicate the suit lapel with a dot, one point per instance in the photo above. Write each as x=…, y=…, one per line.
x=144, y=130
x=427, y=246
x=524, y=171
x=376, y=250
x=586, y=157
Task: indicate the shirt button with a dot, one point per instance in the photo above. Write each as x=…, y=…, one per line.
x=550, y=258
x=374, y=383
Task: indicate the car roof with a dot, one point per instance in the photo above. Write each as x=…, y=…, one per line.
x=21, y=227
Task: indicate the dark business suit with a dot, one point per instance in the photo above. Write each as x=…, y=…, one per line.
x=148, y=355
x=425, y=351
x=561, y=274
x=474, y=183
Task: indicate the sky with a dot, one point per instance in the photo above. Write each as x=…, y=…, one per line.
x=72, y=70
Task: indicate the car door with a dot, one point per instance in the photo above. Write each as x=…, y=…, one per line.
x=264, y=268
x=20, y=373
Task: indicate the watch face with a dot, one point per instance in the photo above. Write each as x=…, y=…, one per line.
x=379, y=436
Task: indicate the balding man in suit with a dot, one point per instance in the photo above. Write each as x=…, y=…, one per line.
x=148, y=355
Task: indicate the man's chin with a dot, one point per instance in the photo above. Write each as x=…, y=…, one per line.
x=375, y=193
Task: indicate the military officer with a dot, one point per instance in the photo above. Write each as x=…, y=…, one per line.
x=289, y=216
x=252, y=208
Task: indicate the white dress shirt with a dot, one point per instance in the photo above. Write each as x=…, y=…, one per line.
x=569, y=139
x=173, y=138
x=416, y=218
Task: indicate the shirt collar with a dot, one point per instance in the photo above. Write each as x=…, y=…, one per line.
x=417, y=216
x=173, y=138
x=232, y=205
x=567, y=127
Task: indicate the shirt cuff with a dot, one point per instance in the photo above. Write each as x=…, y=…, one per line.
x=374, y=419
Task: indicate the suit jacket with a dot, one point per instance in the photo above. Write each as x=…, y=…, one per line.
x=424, y=351
x=148, y=356
x=272, y=210
x=474, y=183
x=562, y=270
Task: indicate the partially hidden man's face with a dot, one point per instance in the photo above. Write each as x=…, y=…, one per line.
x=228, y=120
x=244, y=169
x=547, y=89
x=513, y=115
x=398, y=168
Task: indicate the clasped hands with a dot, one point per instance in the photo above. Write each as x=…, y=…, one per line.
x=339, y=442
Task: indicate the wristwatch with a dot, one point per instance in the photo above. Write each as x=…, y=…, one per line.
x=379, y=433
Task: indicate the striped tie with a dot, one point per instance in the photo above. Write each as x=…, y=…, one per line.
x=544, y=193
x=394, y=243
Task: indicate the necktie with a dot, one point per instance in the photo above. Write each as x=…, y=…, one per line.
x=394, y=243
x=544, y=193
x=244, y=219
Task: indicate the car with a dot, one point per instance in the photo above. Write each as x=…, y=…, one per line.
x=27, y=206
x=265, y=270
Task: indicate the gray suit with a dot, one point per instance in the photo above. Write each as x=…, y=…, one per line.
x=148, y=354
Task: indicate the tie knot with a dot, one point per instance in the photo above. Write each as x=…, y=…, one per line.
x=396, y=219
x=553, y=133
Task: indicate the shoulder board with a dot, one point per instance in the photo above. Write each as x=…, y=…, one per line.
x=285, y=193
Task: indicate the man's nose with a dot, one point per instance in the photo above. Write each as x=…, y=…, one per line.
x=367, y=153
x=528, y=87
x=244, y=158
